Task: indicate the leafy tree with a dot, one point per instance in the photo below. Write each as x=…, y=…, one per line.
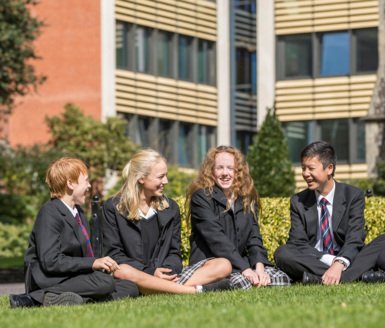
x=18, y=30
x=100, y=145
x=268, y=158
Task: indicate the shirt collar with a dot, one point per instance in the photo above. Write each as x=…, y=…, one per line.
x=74, y=210
x=151, y=212
x=329, y=197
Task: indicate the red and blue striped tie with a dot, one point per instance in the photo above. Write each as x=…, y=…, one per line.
x=326, y=234
x=89, y=251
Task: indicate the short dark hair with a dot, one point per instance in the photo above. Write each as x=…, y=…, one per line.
x=323, y=150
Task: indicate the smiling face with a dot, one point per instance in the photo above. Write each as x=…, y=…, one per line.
x=316, y=176
x=80, y=189
x=153, y=184
x=224, y=167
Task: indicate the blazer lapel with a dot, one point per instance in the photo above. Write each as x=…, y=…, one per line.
x=163, y=218
x=219, y=196
x=311, y=214
x=339, y=206
x=69, y=218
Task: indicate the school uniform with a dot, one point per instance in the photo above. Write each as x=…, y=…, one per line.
x=232, y=234
x=56, y=259
x=145, y=244
x=302, y=251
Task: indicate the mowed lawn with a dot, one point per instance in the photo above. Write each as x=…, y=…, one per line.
x=353, y=305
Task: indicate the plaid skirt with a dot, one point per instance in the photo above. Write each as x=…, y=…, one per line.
x=277, y=277
x=188, y=271
x=237, y=279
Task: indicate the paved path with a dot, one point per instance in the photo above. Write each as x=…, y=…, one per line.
x=15, y=288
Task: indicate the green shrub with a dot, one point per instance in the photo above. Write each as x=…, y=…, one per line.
x=274, y=222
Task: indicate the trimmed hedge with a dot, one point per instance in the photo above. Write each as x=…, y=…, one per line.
x=274, y=222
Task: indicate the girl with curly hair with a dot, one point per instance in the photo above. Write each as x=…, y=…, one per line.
x=142, y=233
x=223, y=210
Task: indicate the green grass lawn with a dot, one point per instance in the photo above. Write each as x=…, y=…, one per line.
x=353, y=305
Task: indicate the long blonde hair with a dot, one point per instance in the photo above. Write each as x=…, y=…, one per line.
x=243, y=185
x=137, y=168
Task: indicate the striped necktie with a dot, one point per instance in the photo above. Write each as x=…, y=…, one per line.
x=89, y=251
x=326, y=234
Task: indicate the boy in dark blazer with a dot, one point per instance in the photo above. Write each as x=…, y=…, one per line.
x=326, y=239
x=60, y=265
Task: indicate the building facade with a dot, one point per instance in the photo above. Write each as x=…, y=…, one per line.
x=190, y=74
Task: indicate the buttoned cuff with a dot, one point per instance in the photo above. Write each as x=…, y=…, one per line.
x=327, y=259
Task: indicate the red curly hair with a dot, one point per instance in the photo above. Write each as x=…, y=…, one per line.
x=243, y=185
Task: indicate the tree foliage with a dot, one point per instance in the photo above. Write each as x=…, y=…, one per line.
x=268, y=158
x=18, y=30
x=100, y=145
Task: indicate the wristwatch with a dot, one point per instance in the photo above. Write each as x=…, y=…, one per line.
x=342, y=262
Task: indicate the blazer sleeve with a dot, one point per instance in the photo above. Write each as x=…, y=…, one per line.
x=113, y=245
x=48, y=231
x=207, y=224
x=174, y=258
x=355, y=234
x=297, y=235
x=257, y=252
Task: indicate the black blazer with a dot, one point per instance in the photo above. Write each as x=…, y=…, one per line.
x=57, y=247
x=122, y=239
x=233, y=235
x=347, y=221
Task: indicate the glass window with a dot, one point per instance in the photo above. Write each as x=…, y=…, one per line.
x=206, y=140
x=335, y=54
x=120, y=45
x=185, y=58
x=336, y=132
x=143, y=131
x=243, y=70
x=253, y=60
x=366, y=50
x=166, y=144
x=297, y=56
x=247, y=5
x=297, y=135
x=243, y=140
x=143, y=53
x=185, y=151
x=206, y=62
x=164, y=53
x=360, y=142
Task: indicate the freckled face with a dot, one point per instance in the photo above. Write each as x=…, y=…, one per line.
x=154, y=183
x=316, y=176
x=224, y=171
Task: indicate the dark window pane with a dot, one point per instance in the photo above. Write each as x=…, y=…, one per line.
x=206, y=140
x=143, y=131
x=164, y=54
x=206, y=62
x=166, y=138
x=184, y=58
x=335, y=54
x=336, y=132
x=367, y=50
x=253, y=60
x=243, y=70
x=120, y=45
x=247, y=5
x=298, y=56
x=360, y=142
x=243, y=140
x=184, y=145
x=142, y=49
x=297, y=135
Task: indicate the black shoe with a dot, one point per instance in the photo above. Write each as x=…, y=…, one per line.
x=373, y=276
x=22, y=300
x=309, y=278
x=67, y=298
x=223, y=284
